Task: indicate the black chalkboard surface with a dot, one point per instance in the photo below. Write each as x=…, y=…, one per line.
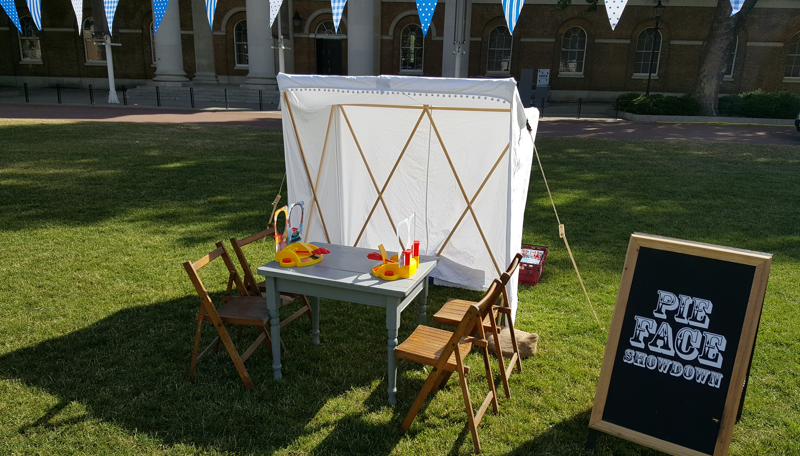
x=679, y=346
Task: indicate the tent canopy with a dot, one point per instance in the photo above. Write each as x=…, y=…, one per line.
x=366, y=152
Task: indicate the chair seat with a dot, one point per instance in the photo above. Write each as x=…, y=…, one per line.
x=453, y=311
x=286, y=298
x=425, y=345
x=243, y=310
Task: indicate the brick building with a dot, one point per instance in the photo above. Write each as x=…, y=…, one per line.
x=586, y=58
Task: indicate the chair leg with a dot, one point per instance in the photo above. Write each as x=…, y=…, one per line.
x=443, y=379
x=196, y=348
x=473, y=426
x=501, y=362
x=307, y=306
x=490, y=379
x=226, y=340
x=427, y=387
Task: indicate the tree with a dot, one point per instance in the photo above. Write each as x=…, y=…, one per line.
x=714, y=52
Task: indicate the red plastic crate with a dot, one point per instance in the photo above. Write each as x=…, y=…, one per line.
x=532, y=264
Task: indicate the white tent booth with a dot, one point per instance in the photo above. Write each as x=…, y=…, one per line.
x=366, y=152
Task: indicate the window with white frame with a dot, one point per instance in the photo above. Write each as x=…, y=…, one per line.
x=573, y=51
x=499, y=57
x=793, y=59
x=648, y=52
x=29, y=44
x=240, y=43
x=326, y=28
x=94, y=52
x=153, y=42
x=730, y=61
x=411, y=49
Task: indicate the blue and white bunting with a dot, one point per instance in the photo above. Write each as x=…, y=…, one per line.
x=614, y=9
x=35, y=7
x=77, y=6
x=337, y=7
x=159, y=9
x=736, y=5
x=111, y=9
x=274, y=8
x=511, y=9
x=425, y=9
x=211, y=6
x=11, y=10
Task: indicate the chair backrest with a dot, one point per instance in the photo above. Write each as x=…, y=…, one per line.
x=192, y=268
x=249, y=278
x=506, y=276
x=472, y=318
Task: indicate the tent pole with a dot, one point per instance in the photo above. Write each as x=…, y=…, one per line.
x=372, y=178
x=440, y=108
x=466, y=209
x=319, y=171
x=386, y=184
x=464, y=193
x=305, y=165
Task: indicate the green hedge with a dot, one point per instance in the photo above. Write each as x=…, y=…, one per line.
x=760, y=104
x=658, y=104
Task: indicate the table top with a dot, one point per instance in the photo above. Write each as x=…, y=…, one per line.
x=349, y=267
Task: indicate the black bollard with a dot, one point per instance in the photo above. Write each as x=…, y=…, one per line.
x=124, y=96
x=91, y=94
x=58, y=92
x=260, y=102
x=191, y=95
x=158, y=97
x=27, y=98
x=580, y=101
x=226, y=98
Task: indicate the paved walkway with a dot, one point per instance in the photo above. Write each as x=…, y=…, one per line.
x=548, y=127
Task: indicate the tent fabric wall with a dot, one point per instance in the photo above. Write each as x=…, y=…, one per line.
x=427, y=147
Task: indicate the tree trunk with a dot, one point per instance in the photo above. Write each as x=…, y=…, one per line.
x=714, y=53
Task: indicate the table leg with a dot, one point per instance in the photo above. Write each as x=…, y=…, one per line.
x=314, y=301
x=274, y=303
x=422, y=304
x=393, y=326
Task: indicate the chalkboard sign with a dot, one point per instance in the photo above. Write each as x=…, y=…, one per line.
x=680, y=344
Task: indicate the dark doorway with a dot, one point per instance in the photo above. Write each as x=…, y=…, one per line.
x=329, y=56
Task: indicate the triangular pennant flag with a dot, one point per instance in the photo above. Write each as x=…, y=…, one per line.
x=35, y=7
x=614, y=9
x=159, y=9
x=111, y=9
x=338, y=7
x=211, y=6
x=11, y=10
x=425, y=9
x=77, y=6
x=274, y=8
x=511, y=9
x=736, y=5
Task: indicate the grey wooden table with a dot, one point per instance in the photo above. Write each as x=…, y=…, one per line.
x=345, y=274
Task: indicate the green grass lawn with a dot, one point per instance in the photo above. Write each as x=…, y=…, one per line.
x=97, y=314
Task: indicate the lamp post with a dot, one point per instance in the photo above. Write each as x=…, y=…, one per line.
x=658, y=10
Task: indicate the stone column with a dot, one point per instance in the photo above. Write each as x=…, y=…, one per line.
x=261, y=56
x=360, y=37
x=205, y=71
x=169, y=54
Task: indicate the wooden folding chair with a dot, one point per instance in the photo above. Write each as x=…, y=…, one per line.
x=453, y=311
x=445, y=351
x=240, y=310
x=257, y=288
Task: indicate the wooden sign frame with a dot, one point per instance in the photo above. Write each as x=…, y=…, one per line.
x=762, y=263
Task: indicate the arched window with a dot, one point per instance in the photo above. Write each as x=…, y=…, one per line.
x=30, y=47
x=649, y=39
x=573, y=51
x=326, y=28
x=793, y=60
x=411, y=49
x=153, y=41
x=731, y=61
x=499, y=58
x=240, y=43
x=94, y=52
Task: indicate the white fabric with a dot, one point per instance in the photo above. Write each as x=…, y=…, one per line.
x=423, y=183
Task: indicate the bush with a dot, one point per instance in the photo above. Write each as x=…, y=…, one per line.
x=658, y=104
x=765, y=105
x=730, y=106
